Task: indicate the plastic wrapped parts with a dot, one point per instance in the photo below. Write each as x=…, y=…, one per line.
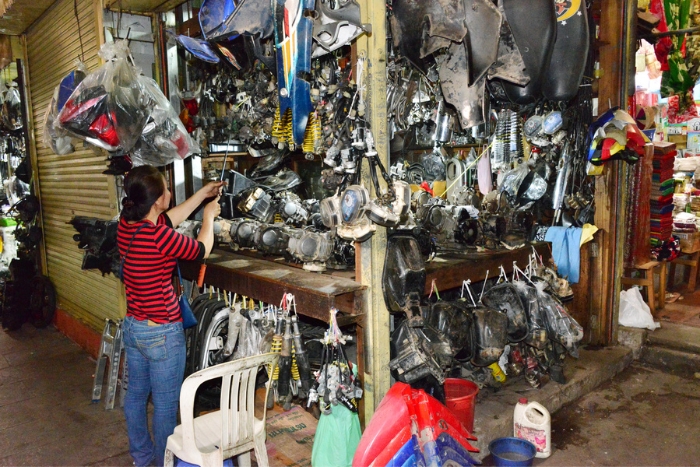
x=454, y=321
x=504, y=297
x=490, y=335
x=562, y=328
x=109, y=108
x=537, y=327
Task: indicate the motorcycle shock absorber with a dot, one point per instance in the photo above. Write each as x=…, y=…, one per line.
x=276, y=347
x=285, y=365
x=295, y=382
x=302, y=359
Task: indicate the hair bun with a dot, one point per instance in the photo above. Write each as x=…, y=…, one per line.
x=127, y=203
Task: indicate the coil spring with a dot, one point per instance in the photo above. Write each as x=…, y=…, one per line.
x=312, y=135
x=295, y=368
x=276, y=347
x=278, y=128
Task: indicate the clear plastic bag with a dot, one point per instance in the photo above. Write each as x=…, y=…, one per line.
x=562, y=328
x=164, y=137
x=12, y=108
x=537, y=335
x=54, y=136
x=109, y=108
x=505, y=298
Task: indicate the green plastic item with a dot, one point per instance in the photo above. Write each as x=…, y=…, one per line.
x=336, y=439
x=7, y=222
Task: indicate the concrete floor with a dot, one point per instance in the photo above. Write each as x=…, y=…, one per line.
x=639, y=417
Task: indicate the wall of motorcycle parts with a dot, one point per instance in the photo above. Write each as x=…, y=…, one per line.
x=70, y=185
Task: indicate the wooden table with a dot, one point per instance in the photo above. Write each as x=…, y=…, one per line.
x=267, y=280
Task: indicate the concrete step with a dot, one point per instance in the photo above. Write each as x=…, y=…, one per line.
x=676, y=362
x=675, y=336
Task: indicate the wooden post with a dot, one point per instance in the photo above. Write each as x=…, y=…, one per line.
x=370, y=263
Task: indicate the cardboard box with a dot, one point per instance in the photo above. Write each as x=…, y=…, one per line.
x=693, y=143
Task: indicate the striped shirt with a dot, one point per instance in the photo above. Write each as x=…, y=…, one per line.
x=149, y=265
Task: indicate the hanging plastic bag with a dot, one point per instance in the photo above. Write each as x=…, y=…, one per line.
x=12, y=108
x=164, y=137
x=505, y=298
x=337, y=435
x=634, y=312
x=109, y=108
x=537, y=335
x=561, y=327
x=56, y=137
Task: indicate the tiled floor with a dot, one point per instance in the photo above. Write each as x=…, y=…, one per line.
x=47, y=418
x=46, y=414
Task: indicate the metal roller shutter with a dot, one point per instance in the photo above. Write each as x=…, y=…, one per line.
x=71, y=185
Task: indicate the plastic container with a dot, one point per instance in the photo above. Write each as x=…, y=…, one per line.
x=460, y=395
x=532, y=422
x=512, y=452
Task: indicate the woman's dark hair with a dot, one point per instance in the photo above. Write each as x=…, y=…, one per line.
x=143, y=186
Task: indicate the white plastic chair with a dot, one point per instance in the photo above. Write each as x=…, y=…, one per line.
x=233, y=430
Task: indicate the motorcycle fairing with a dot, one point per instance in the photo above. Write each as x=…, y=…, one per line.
x=535, y=48
x=569, y=54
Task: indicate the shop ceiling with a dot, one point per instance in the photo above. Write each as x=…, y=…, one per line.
x=22, y=13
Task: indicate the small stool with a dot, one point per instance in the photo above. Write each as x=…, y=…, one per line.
x=691, y=259
x=649, y=269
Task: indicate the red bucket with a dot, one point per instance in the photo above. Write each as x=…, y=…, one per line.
x=460, y=395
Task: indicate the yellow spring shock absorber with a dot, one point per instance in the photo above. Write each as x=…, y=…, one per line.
x=288, y=127
x=312, y=135
x=276, y=347
x=278, y=130
x=296, y=379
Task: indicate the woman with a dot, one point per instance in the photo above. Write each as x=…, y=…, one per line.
x=152, y=330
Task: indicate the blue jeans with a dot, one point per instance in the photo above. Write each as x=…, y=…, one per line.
x=155, y=357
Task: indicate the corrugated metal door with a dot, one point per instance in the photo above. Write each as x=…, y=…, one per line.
x=71, y=185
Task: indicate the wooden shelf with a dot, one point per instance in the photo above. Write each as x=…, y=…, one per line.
x=266, y=280
x=449, y=272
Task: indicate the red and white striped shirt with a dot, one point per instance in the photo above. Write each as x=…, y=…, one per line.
x=149, y=265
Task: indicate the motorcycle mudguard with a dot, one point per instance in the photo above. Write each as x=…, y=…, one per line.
x=404, y=271
x=535, y=48
x=421, y=28
x=293, y=32
x=483, y=19
x=199, y=48
x=212, y=15
x=468, y=100
x=568, y=59
x=509, y=65
x=224, y=21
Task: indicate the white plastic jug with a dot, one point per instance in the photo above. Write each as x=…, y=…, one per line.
x=532, y=422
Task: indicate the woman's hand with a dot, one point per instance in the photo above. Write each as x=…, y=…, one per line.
x=212, y=189
x=212, y=208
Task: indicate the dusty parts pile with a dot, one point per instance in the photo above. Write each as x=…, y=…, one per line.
x=27, y=296
x=518, y=325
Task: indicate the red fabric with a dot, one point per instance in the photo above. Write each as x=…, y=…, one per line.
x=663, y=44
x=149, y=266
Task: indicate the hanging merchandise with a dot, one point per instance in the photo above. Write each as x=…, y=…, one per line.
x=336, y=390
x=164, y=137
x=198, y=47
x=56, y=137
x=11, y=115
x=108, y=108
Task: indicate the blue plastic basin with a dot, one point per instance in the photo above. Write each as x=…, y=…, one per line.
x=512, y=452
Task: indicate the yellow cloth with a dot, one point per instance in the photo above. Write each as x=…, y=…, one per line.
x=587, y=233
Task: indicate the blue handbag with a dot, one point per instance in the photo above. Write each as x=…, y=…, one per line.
x=188, y=318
